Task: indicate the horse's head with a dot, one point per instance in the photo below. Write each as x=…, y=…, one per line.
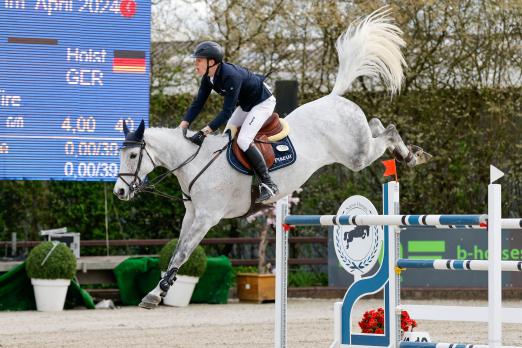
x=135, y=163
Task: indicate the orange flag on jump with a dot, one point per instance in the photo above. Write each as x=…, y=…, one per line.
x=391, y=168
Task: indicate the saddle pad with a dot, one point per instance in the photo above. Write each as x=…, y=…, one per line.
x=284, y=156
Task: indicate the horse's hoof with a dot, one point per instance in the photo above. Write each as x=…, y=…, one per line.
x=421, y=156
x=150, y=301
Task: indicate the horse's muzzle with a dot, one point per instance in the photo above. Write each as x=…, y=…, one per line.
x=123, y=194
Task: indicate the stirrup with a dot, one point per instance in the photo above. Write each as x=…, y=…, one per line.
x=266, y=192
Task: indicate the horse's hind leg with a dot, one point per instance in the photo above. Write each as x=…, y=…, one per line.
x=387, y=139
x=398, y=148
x=412, y=155
x=374, y=148
x=376, y=127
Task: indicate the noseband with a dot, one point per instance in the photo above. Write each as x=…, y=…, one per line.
x=136, y=185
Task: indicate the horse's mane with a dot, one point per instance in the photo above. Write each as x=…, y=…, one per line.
x=154, y=131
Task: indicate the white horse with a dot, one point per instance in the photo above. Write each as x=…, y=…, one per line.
x=329, y=130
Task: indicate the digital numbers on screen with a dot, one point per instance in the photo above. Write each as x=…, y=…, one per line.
x=71, y=71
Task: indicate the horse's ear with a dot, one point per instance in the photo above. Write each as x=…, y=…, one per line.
x=140, y=131
x=125, y=128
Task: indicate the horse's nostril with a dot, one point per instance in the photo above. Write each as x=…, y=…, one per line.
x=121, y=192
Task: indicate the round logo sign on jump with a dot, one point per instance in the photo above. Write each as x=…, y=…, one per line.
x=357, y=247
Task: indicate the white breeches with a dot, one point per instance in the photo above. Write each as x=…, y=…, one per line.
x=251, y=121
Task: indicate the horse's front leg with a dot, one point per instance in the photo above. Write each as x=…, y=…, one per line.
x=189, y=240
x=153, y=298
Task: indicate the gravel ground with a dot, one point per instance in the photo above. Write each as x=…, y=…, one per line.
x=310, y=324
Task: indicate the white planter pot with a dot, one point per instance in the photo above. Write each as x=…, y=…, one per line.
x=50, y=294
x=181, y=291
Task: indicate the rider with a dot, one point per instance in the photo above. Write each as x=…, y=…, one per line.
x=248, y=104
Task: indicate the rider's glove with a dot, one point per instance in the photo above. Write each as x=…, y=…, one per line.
x=198, y=138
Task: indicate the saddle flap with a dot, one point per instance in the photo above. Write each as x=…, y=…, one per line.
x=284, y=154
x=261, y=141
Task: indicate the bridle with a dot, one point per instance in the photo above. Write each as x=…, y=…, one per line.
x=137, y=185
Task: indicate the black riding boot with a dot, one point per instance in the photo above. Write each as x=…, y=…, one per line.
x=267, y=188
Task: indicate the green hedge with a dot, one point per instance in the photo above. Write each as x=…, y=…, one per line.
x=466, y=130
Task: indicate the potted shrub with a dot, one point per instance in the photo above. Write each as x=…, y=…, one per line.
x=260, y=287
x=180, y=293
x=51, y=266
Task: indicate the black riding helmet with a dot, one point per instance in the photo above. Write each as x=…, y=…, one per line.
x=209, y=50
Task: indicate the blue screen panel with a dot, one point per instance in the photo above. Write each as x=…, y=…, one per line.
x=70, y=73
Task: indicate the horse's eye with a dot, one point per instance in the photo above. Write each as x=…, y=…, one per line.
x=133, y=155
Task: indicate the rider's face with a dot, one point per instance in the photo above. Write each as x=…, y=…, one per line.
x=200, y=64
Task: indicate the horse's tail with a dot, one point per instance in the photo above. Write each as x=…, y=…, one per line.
x=370, y=47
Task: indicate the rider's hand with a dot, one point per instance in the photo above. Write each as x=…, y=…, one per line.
x=207, y=130
x=198, y=138
x=184, y=124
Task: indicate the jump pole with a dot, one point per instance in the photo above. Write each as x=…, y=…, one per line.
x=438, y=221
x=495, y=259
x=281, y=300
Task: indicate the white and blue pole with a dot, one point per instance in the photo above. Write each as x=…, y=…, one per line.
x=458, y=265
x=281, y=293
x=478, y=221
x=495, y=259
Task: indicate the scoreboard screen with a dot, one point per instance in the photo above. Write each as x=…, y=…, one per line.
x=71, y=71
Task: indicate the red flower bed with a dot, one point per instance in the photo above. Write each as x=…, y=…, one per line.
x=373, y=322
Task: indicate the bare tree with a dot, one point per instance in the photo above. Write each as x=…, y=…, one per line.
x=450, y=44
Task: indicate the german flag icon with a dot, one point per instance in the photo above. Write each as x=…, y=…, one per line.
x=129, y=62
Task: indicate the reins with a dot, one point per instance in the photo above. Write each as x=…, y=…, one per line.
x=137, y=185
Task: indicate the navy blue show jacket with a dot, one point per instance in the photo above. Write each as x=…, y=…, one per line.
x=238, y=85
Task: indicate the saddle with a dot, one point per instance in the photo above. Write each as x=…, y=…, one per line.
x=274, y=129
